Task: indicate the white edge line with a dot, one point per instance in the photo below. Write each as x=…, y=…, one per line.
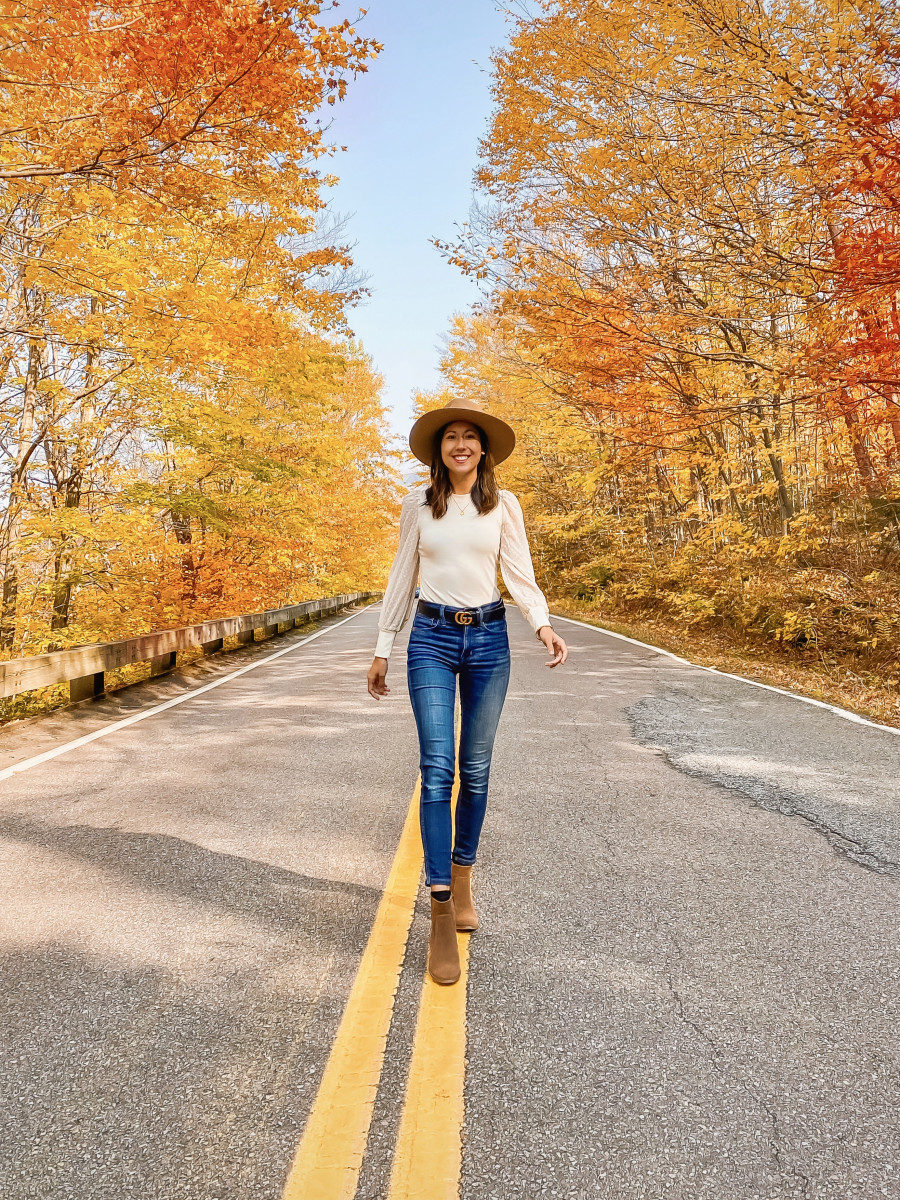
x=768, y=687
x=27, y=763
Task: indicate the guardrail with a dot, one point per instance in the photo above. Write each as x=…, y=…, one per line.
x=84, y=667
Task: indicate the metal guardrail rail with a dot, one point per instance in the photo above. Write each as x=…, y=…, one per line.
x=84, y=667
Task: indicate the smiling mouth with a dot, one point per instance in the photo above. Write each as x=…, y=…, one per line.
x=460, y=458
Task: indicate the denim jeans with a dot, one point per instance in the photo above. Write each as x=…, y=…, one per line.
x=478, y=655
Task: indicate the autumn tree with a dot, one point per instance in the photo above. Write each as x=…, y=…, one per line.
x=686, y=231
x=174, y=356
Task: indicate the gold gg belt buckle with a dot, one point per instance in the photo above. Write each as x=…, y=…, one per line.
x=463, y=618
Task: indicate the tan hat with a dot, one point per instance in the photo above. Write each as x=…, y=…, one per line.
x=421, y=436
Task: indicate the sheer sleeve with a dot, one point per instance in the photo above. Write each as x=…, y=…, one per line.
x=401, y=587
x=516, y=566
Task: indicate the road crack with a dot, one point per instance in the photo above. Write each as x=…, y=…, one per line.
x=772, y=799
x=775, y=1141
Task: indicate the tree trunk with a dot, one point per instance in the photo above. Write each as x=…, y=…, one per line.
x=886, y=511
x=785, y=503
x=182, y=527
x=74, y=487
x=24, y=451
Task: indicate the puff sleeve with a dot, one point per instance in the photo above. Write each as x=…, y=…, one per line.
x=401, y=586
x=516, y=566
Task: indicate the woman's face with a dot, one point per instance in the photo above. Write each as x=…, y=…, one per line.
x=461, y=448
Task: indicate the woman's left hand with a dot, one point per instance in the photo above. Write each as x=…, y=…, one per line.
x=555, y=645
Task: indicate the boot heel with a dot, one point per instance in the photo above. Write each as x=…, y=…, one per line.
x=443, y=948
x=461, y=892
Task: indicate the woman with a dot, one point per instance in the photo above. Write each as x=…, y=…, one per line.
x=452, y=535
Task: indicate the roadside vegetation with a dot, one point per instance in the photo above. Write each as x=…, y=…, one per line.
x=188, y=429
x=689, y=240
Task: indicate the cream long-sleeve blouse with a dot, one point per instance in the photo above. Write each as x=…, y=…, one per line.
x=455, y=562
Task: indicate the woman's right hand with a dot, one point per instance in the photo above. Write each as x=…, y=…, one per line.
x=376, y=678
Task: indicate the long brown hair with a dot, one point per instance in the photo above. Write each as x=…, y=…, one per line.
x=485, y=493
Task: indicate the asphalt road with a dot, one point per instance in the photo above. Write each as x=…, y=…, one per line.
x=685, y=984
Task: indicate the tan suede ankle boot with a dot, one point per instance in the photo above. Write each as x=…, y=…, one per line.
x=461, y=890
x=443, y=949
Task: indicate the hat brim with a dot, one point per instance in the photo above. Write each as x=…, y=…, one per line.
x=500, y=436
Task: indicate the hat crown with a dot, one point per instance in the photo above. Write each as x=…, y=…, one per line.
x=472, y=405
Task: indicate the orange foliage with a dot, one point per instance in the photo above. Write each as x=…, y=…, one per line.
x=692, y=245
x=188, y=429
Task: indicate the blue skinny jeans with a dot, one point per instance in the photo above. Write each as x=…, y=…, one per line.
x=439, y=653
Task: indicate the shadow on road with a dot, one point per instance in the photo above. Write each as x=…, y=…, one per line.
x=156, y=861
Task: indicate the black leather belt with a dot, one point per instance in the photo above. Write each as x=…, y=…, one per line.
x=463, y=616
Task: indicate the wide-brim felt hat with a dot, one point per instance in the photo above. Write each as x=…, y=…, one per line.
x=501, y=438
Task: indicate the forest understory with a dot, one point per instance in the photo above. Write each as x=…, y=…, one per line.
x=820, y=631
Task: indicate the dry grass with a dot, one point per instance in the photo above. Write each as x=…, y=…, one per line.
x=796, y=671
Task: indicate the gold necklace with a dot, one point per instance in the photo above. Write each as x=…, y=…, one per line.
x=461, y=511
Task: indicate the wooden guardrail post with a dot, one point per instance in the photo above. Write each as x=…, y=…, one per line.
x=87, y=687
x=163, y=662
x=212, y=647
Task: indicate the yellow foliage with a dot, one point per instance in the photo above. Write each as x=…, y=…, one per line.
x=693, y=249
x=187, y=427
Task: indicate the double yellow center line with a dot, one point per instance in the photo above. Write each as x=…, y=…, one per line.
x=427, y=1157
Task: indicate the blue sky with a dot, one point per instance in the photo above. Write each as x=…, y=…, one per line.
x=411, y=126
